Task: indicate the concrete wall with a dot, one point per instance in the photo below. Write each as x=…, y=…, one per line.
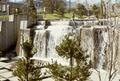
x=7, y=35
x=10, y=31
x=24, y=35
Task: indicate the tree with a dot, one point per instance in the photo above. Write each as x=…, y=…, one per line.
x=25, y=69
x=60, y=7
x=113, y=53
x=49, y=5
x=103, y=8
x=52, y=6
x=96, y=11
x=70, y=49
x=81, y=10
x=30, y=11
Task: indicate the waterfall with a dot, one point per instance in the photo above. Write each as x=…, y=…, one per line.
x=103, y=44
x=46, y=40
x=40, y=43
x=94, y=40
x=87, y=42
x=100, y=44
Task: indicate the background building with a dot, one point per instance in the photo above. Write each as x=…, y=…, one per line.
x=4, y=7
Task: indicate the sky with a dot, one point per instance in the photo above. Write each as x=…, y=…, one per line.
x=90, y=1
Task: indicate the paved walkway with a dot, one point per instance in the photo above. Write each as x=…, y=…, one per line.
x=5, y=72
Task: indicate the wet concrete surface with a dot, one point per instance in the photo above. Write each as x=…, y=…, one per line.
x=6, y=70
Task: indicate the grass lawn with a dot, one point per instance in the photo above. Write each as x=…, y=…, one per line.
x=3, y=18
x=50, y=16
x=56, y=16
x=68, y=15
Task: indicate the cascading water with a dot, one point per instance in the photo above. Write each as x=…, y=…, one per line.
x=46, y=40
x=100, y=44
x=103, y=44
x=87, y=42
x=95, y=40
x=40, y=43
